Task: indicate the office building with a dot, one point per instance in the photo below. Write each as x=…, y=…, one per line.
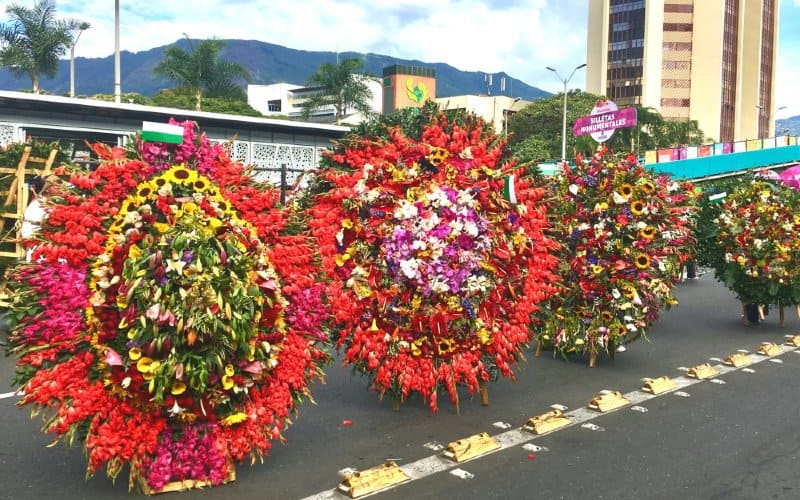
x=707, y=60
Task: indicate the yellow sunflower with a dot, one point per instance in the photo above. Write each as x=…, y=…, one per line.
x=648, y=187
x=597, y=269
x=628, y=291
x=445, y=345
x=179, y=174
x=437, y=155
x=637, y=207
x=606, y=316
x=144, y=191
x=642, y=260
x=648, y=232
x=625, y=190
x=200, y=185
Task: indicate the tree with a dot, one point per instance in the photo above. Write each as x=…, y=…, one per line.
x=542, y=120
x=342, y=86
x=33, y=40
x=202, y=73
x=180, y=98
x=535, y=131
x=682, y=133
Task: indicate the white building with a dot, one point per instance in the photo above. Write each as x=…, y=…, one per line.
x=286, y=99
x=493, y=109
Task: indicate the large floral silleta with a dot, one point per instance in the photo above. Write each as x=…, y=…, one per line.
x=434, y=275
x=757, y=241
x=168, y=321
x=626, y=233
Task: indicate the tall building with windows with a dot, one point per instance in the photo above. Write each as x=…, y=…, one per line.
x=707, y=60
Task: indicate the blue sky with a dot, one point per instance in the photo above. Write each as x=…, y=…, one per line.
x=520, y=37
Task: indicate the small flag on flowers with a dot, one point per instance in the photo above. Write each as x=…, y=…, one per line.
x=162, y=132
x=509, y=189
x=717, y=198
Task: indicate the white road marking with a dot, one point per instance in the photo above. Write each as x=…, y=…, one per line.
x=515, y=437
x=11, y=394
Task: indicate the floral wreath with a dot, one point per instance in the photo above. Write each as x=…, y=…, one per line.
x=757, y=239
x=159, y=321
x=626, y=233
x=434, y=275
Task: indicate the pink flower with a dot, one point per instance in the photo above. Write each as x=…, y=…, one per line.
x=113, y=358
x=153, y=312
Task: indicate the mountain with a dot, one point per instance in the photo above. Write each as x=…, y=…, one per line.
x=790, y=126
x=267, y=62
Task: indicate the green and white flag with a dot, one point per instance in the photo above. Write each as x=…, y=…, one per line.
x=509, y=189
x=162, y=132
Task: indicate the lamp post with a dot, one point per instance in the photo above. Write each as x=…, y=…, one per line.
x=81, y=28
x=117, y=79
x=565, y=81
x=761, y=109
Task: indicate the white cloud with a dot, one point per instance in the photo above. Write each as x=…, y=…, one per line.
x=518, y=37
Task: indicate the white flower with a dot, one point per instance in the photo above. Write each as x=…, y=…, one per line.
x=132, y=217
x=574, y=188
x=456, y=226
x=410, y=268
x=373, y=195
x=406, y=210
x=165, y=190
x=615, y=293
x=619, y=199
x=419, y=245
x=471, y=228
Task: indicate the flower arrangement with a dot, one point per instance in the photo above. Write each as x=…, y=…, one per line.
x=434, y=275
x=625, y=234
x=757, y=228
x=168, y=320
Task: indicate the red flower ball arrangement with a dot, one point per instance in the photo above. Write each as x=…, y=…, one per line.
x=757, y=237
x=434, y=276
x=625, y=234
x=167, y=321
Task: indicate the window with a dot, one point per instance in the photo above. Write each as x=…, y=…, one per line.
x=274, y=106
x=678, y=27
x=678, y=8
x=674, y=102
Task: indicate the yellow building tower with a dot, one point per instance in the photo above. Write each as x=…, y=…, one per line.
x=707, y=60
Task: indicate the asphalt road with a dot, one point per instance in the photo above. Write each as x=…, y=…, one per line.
x=731, y=440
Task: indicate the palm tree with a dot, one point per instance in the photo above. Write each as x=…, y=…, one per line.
x=340, y=85
x=33, y=40
x=201, y=72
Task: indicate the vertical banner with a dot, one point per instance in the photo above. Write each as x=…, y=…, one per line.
x=691, y=152
x=705, y=150
x=664, y=155
x=651, y=157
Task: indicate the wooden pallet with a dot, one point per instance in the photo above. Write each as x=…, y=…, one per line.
x=16, y=198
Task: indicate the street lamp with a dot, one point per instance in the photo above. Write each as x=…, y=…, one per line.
x=565, y=81
x=81, y=28
x=117, y=71
x=761, y=109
